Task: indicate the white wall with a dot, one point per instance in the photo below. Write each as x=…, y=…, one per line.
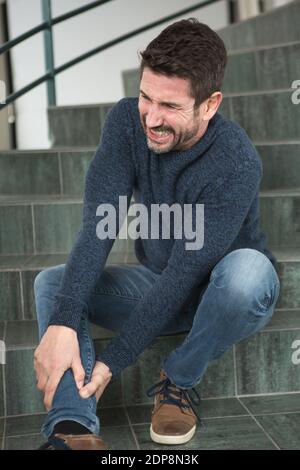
x=4, y=114
x=28, y=64
x=97, y=79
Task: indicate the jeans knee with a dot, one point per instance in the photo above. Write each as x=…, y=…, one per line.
x=48, y=279
x=247, y=285
x=243, y=272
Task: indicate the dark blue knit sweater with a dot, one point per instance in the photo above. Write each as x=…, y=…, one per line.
x=222, y=171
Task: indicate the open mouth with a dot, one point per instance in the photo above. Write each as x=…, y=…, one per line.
x=159, y=136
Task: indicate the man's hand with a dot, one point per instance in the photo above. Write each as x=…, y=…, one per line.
x=57, y=352
x=101, y=377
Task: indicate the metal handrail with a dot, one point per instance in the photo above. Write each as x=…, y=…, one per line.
x=53, y=71
x=51, y=22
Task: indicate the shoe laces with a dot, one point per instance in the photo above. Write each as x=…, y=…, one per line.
x=56, y=443
x=174, y=395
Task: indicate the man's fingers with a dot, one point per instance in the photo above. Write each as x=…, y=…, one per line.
x=41, y=376
x=101, y=376
x=42, y=381
x=51, y=387
x=38, y=369
x=78, y=372
x=89, y=389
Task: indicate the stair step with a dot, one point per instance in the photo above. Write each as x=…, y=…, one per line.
x=61, y=174
x=278, y=26
x=41, y=210
x=248, y=109
x=49, y=224
x=236, y=371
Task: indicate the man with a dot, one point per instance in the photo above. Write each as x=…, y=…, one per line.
x=169, y=146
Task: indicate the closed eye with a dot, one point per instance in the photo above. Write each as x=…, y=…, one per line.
x=170, y=106
x=166, y=105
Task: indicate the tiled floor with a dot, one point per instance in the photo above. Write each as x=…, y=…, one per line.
x=260, y=422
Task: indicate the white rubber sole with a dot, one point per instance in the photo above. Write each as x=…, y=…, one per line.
x=164, y=439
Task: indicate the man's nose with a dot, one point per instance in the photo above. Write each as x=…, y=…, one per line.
x=154, y=116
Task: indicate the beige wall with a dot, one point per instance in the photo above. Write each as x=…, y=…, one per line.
x=247, y=9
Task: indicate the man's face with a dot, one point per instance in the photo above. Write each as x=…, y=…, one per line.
x=167, y=113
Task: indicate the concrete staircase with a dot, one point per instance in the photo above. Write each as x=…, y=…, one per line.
x=40, y=213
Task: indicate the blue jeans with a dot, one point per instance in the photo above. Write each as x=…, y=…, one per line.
x=237, y=302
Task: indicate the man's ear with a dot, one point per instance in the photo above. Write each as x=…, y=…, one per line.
x=211, y=105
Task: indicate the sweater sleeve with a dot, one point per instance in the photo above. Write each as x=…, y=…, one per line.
x=226, y=204
x=111, y=174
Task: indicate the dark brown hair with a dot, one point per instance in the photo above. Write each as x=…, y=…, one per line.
x=191, y=50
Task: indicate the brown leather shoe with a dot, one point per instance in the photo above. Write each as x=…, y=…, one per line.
x=173, y=419
x=74, y=442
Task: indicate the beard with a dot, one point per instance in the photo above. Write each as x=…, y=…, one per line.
x=177, y=141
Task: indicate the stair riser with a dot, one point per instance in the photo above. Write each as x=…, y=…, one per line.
x=43, y=228
x=280, y=220
x=267, y=69
x=52, y=228
x=265, y=117
x=63, y=173
x=44, y=173
x=77, y=126
x=281, y=166
x=270, y=117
